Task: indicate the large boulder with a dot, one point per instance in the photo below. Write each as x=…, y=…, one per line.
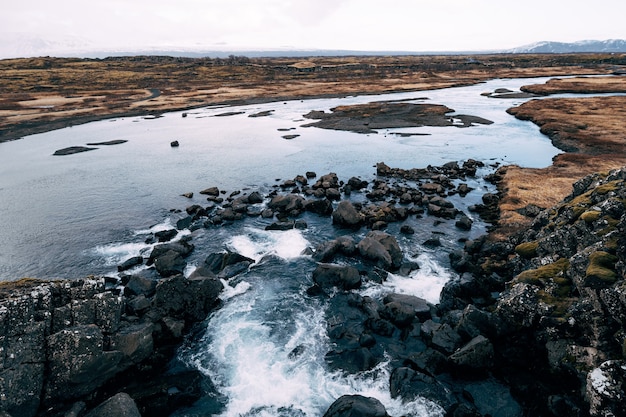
x=381, y=248
x=290, y=204
x=351, y=360
x=219, y=262
x=134, y=341
x=182, y=247
x=356, y=406
x=170, y=263
x=190, y=299
x=420, y=307
x=476, y=355
x=341, y=276
x=326, y=251
x=323, y=206
x=346, y=215
x=120, y=405
x=409, y=384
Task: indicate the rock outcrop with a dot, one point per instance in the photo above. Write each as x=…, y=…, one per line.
x=63, y=342
x=557, y=320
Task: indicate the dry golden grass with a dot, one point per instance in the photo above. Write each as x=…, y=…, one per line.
x=80, y=90
x=592, y=127
x=580, y=85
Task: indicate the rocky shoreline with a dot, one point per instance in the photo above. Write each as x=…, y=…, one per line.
x=531, y=326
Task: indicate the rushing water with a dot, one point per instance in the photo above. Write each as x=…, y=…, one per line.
x=264, y=349
x=249, y=344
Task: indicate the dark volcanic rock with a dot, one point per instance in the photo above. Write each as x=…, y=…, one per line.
x=78, y=363
x=217, y=262
x=409, y=384
x=345, y=215
x=476, y=355
x=351, y=360
x=331, y=275
x=110, y=142
x=182, y=247
x=166, y=235
x=120, y=405
x=72, y=150
x=66, y=341
x=130, y=263
x=170, y=263
x=189, y=299
x=381, y=248
x=356, y=406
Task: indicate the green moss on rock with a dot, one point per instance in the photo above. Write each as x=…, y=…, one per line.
x=559, y=304
x=527, y=250
x=590, y=216
x=601, y=269
x=611, y=226
x=542, y=275
x=607, y=188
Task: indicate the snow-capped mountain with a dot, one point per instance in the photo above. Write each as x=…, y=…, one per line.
x=546, y=47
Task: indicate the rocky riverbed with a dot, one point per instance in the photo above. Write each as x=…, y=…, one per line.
x=531, y=325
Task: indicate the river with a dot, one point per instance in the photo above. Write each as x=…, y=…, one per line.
x=69, y=216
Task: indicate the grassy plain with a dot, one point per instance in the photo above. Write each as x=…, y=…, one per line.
x=39, y=94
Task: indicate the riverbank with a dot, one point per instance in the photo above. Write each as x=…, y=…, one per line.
x=43, y=94
x=590, y=132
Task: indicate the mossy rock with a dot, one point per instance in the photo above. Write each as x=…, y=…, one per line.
x=607, y=188
x=611, y=226
x=612, y=244
x=577, y=212
x=601, y=269
x=590, y=216
x=10, y=288
x=583, y=200
x=527, y=250
x=559, y=303
x=542, y=275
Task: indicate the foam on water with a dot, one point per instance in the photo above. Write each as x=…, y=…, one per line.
x=232, y=291
x=256, y=243
x=280, y=370
x=113, y=254
x=426, y=282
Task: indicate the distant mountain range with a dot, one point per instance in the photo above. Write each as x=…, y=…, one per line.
x=17, y=45
x=607, y=46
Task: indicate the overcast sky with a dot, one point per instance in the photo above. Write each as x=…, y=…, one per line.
x=398, y=25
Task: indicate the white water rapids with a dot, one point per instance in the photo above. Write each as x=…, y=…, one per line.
x=264, y=349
